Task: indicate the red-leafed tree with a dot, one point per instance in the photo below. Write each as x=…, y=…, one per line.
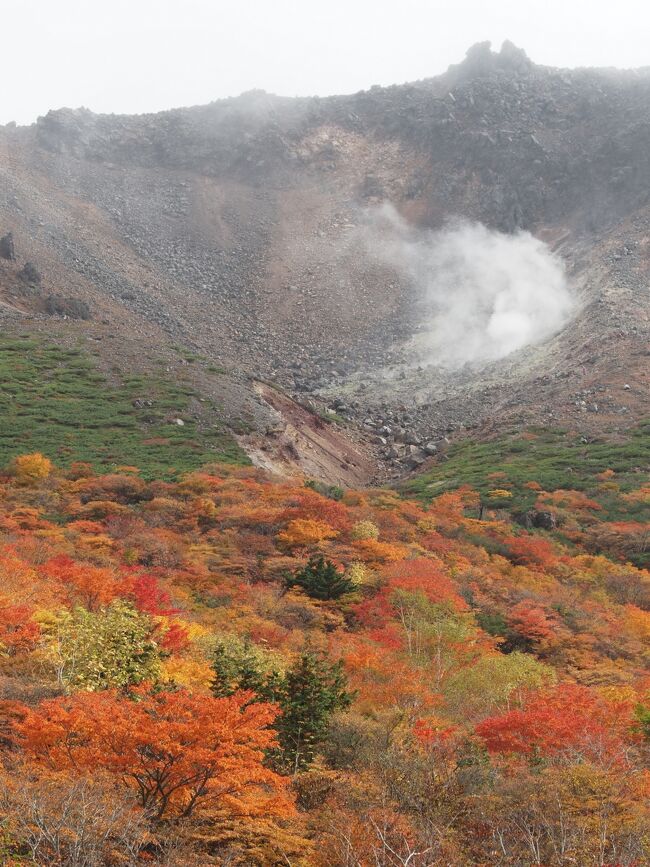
x=531, y=623
x=18, y=632
x=174, y=638
x=569, y=721
x=149, y=597
x=419, y=575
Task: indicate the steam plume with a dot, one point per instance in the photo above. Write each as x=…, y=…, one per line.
x=485, y=294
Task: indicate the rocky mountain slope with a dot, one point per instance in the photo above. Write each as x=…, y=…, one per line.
x=232, y=233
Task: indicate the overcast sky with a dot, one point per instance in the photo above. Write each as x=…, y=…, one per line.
x=147, y=55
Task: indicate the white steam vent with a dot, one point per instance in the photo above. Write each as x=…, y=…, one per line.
x=488, y=293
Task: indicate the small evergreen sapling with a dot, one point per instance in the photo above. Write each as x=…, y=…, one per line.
x=309, y=694
x=320, y=579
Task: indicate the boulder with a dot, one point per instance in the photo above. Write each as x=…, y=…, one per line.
x=538, y=518
x=415, y=456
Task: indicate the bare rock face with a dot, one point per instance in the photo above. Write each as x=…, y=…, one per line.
x=7, y=250
x=480, y=60
x=512, y=57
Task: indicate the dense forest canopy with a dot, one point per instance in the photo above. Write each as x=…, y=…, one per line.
x=236, y=669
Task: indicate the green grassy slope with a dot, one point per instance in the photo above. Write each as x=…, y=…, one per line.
x=554, y=459
x=56, y=401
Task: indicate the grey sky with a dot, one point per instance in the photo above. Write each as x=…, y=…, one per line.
x=146, y=55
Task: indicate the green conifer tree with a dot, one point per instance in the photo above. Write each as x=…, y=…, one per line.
x=239, y=667
x=307, y=695
x=320, y=579
x=310, y=693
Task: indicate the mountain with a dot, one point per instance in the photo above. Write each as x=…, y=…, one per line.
x=424, y=639
x=236, y=234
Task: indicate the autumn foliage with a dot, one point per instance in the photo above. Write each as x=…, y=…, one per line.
x=569, y=721
x=235, y=670
x=179, y=753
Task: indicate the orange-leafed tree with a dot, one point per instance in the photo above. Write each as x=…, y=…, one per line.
x=18, y=632
x=307, y=504
x=179, y=753
x=531, y=551
x=305, y=533
x=81, y=583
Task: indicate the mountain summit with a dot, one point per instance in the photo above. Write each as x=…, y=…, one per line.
x=242, y=232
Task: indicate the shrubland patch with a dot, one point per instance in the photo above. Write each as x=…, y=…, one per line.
x=551, y=460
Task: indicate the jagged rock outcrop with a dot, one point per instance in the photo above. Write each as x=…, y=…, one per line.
x=480, y=60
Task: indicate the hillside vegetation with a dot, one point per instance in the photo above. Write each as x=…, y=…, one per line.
x=226, y=669
x=54, y=400
x=530, y=471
